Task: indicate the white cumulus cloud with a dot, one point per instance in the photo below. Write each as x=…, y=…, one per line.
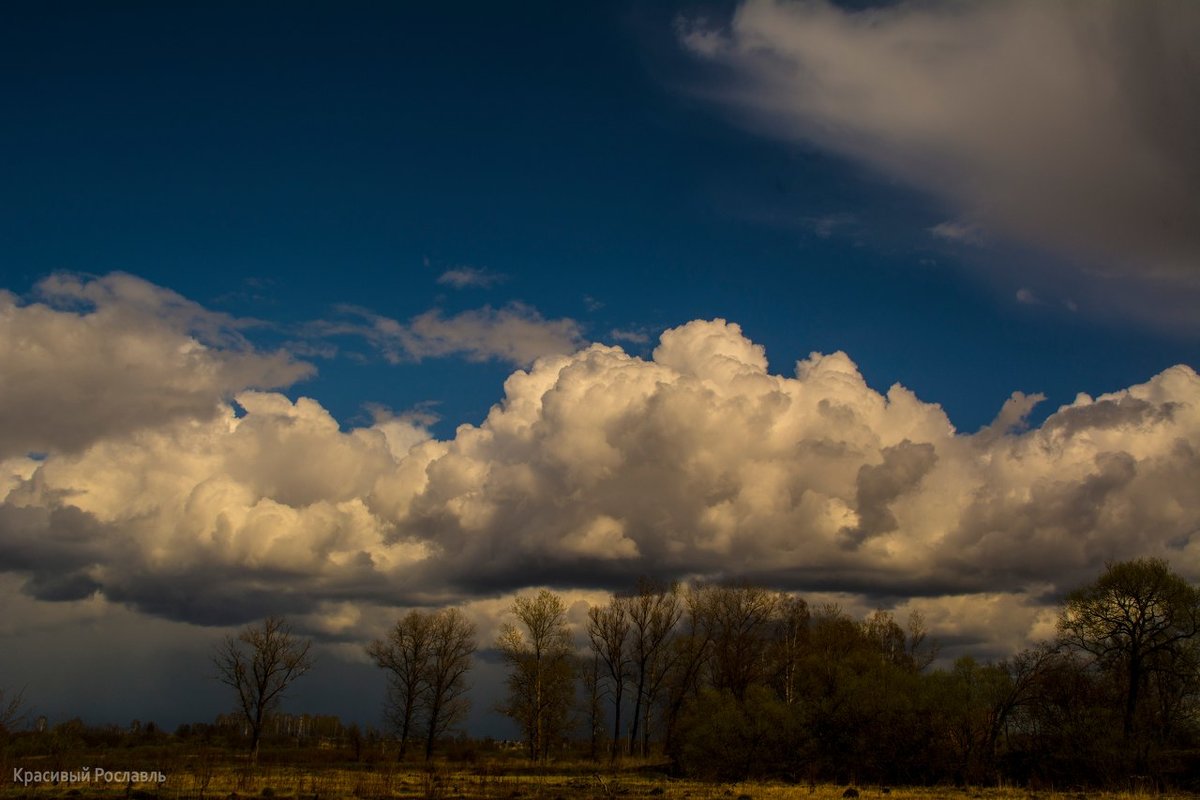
x=595, y=467
x=108, y=356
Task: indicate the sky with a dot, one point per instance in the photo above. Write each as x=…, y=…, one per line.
x=336, y=310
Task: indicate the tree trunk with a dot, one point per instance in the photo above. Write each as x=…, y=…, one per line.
x=1131, y=697
x=637, y=711
x=255, y=735
x=616, y=742
x=434, y=713
x=404, y=735
x=541, y=744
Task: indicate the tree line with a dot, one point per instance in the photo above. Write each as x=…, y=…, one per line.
x=739, y=681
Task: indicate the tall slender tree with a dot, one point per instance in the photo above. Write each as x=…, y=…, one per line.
x=653, y=610
x=444, y=701
x=788, y=641
x=541, y=675
x=404, y=654
x=591, y=675
x=608, y=633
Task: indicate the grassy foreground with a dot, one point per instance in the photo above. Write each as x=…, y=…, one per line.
x=201, y=779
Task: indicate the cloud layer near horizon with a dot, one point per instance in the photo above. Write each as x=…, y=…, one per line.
x=1070, y=125
x=594, y=468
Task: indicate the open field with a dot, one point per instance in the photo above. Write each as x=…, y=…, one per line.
x=195, y=778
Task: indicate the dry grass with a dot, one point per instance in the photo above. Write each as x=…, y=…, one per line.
x=195, y=780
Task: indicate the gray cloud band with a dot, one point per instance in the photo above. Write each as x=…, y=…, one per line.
x=1071, y=126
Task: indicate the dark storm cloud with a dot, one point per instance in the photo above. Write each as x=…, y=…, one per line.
x=878, y=485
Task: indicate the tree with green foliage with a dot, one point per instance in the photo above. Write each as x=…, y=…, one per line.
x=734, y=739
x=969, y=704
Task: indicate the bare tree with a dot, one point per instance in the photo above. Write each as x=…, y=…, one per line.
x=653, y=611
x=1136, y=613
x=541, y=677
x=608, y=632
x=12, y=711
x=658, y=671
x=922, y=651
x=885, y=634
x=788, y=641
x=405, y=656
x=259, y=664
x=591, y=676
x=740, y=618
x=691, y=650
x=444, y=701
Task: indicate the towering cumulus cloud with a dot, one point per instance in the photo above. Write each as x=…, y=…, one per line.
x=595, y=467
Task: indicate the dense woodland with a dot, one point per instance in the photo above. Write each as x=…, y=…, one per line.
x=732, y=682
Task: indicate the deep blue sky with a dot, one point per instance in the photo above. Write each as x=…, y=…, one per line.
x=275, y=159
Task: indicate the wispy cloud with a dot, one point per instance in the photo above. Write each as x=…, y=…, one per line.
x=1025, y=296
x=632, y=336
x=516, y=333
x=1070, y=126
x=827, y=225
x=470, y=277
x=959, y=231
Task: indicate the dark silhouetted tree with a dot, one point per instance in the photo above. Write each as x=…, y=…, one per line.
x=444, y=700
x=653, y=611
x=259, y=664
x=1136, y=619
x=608, y=634
x=592, y=673
x=404, y=654
x=12, y=711
x=427, y=656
